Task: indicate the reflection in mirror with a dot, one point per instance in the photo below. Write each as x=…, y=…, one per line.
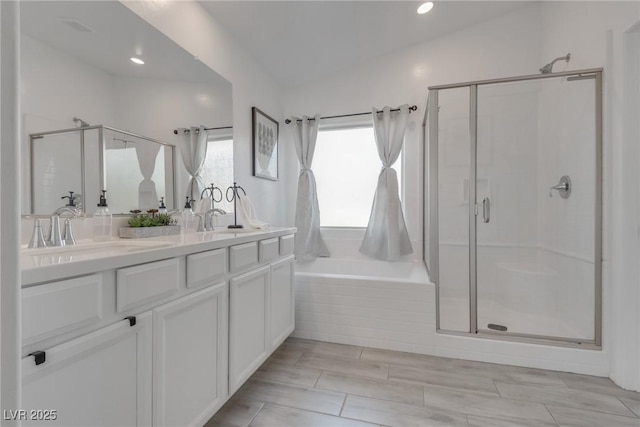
x=140, y=169
x=73, y=160
x=75, y=63
x=218, y=164
x=56, y=166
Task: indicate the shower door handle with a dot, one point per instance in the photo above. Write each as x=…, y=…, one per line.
x=486, y=210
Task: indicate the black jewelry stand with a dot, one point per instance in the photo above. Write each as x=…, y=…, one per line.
x=234, y=196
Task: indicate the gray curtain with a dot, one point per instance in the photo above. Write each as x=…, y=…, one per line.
x=386, y=237
x=309, y=243
x=193, y=150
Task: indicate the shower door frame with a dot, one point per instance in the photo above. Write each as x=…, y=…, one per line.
x=431, y=183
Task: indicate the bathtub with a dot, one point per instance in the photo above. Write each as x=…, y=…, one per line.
x=358, y=269
x=369, y=303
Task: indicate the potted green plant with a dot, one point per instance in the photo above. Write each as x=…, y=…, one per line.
x=149, y=224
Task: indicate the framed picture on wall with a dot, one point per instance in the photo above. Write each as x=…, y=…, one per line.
x=265, y=145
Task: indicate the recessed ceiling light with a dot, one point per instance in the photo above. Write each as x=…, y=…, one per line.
x=425, y=7
x=137, y=61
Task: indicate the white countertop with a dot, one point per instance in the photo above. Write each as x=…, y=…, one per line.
x=45, y=265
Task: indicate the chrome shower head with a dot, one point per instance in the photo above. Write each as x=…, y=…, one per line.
x=80, y=123
x=549, y=67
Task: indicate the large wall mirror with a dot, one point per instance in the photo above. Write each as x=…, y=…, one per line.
x=94, y=119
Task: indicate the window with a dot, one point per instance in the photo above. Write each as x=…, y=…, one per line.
x=346, y=166
x=218, y=168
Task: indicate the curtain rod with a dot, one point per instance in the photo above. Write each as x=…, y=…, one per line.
x=412, y=108
x=186, y=131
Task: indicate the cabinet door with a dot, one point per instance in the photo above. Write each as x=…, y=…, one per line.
x=249, y=316
x=190, y=357
x=282, y=301
x=100, y=379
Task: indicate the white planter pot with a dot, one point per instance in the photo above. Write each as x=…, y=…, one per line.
x=141, y=232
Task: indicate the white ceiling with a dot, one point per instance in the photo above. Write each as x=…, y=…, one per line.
x=301, y=41
x=117, y=35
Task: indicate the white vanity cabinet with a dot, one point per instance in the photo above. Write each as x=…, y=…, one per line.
x=99, y=379
x=160, y=340
x=261, y=317
x=281, y=301
x=190, y=357
x=248, y=324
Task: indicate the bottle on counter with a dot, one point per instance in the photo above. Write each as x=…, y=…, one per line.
x=162, y=209
x=102, y=220
x=188, y=219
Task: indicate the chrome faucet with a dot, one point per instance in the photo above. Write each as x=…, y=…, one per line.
x=209, y=218
x=206, y=222
x=37, y=239
x=56, y=236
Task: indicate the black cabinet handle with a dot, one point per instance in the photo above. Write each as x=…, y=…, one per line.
x=39, y=356
x=131, y=319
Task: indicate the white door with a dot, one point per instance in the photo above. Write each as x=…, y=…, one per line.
x=190, y=357
x=249, y=322
x=282, y=306
x=100, y=379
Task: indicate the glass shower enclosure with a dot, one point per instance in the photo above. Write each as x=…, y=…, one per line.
x=514, y=207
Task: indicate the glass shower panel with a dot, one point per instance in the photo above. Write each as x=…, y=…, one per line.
x=453, y=147
x=535, y=245
x=56, y=169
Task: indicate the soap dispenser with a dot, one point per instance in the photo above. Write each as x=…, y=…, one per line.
x=162, y=209
x=102, y=219
x=188, y=220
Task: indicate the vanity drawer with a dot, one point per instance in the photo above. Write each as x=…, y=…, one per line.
x=287, y=244
x=243, y=256
x=58, y=307
x=144, y=283
x=268, y=249
x=206, y=268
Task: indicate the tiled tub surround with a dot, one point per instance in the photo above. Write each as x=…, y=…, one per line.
x=156, y=331
x=311, y=383
x=393, y=306
x=363, y=302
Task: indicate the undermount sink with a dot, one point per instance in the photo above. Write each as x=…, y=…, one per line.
x=96, y=249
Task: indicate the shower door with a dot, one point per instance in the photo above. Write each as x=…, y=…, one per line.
x=517, y=230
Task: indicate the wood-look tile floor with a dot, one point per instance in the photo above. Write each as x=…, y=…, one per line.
x=317, y=384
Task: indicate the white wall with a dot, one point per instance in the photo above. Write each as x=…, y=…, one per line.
x=594, y=34
x=517, y=44
x=73, y=88
x=156, y=113
x=10, y=295
x=402, y=77
x=189, y=25
x=87, y=92
x=628, y=267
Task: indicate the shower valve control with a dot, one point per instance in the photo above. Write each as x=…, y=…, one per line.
x=563, y=187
